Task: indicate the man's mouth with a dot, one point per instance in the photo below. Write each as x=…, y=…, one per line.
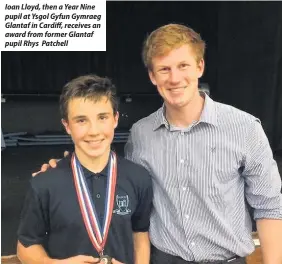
x=177, y=89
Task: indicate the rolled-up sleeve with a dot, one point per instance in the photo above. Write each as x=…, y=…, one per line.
x=263, y=182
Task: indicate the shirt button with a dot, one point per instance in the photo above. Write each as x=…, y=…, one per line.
x=184, y=188
x=186, y=216
x=192, y=244
x=182, y=133
x=96, y=177
x=98, y=195
x=182, y=161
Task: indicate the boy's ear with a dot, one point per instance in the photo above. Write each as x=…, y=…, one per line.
x=66, y=125
x=116, y=120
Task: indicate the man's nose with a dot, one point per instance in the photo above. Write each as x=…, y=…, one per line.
x=175, y=76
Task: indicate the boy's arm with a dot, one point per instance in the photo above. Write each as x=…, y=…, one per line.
x=36, y=254
x=141, y=247
x=33, y=229
x=141, y=219
x=33, y=226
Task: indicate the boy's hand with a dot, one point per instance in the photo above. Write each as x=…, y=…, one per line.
x=114, y=261
x=80, y=259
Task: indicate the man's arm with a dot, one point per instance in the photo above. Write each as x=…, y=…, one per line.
x=51, y=163
x=270, y=236
x=134, y=145
x=141, y=247
x=263, y=192
x=128, y=147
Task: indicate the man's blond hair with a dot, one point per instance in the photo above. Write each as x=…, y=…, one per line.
x=166, y=38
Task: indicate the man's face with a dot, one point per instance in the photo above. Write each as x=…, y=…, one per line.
x=176, y=75
x=91, y=126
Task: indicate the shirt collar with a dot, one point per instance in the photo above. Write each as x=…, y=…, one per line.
x=208, y=115
x=89, y=174
x=160, y=119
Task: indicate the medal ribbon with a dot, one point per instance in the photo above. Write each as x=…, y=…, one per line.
x=97, y=234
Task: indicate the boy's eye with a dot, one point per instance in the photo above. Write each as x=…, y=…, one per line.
x=80, y=120
x=163, y=70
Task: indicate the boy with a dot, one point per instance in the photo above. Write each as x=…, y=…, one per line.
x=95, y=205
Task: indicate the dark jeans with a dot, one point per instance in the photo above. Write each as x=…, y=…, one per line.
x=159, y=257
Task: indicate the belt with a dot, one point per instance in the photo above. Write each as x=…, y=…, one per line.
x=157, y=256
x=230, y=260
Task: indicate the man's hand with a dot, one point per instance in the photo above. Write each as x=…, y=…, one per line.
x=52, y=164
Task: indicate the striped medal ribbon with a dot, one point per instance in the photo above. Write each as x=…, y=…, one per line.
x=98, y=234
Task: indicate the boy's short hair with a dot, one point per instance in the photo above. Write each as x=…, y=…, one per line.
x=90, y=87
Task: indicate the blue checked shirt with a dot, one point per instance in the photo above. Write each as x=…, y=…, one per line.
x=203, y=176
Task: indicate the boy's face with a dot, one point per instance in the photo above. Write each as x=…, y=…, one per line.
x=176, y=75
x=91, y=126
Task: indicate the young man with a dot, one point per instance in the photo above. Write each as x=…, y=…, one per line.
x=95, y=205
x=214, y=158
x=207, y=159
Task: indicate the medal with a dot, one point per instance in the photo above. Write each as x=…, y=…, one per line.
x=98, y=234
x=105, y=259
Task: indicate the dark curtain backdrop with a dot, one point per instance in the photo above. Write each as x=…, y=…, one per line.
x=243, y=59
x=250, y=62
x=127, y=25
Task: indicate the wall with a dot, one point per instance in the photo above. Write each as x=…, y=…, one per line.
x=40, y=116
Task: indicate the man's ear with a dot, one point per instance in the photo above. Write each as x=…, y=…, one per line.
x=152, y=77
x=66, y=125
x=201, y=68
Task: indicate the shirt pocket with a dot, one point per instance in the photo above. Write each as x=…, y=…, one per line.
x=227, y=173
x=225, y=181
x=211, y=188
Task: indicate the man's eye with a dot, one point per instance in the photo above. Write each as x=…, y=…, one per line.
x=103, y=117
x=184, y=66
